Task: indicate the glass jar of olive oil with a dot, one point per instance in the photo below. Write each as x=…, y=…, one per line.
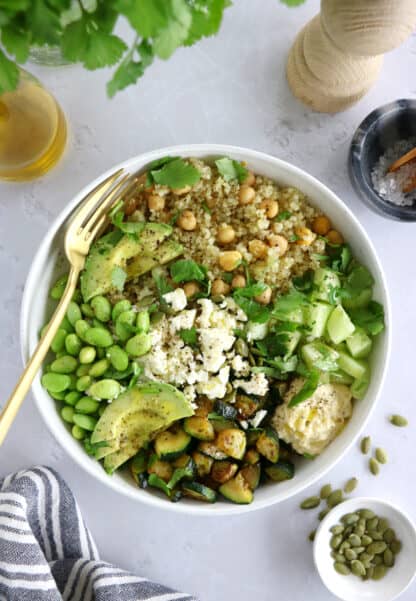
x=32, y=131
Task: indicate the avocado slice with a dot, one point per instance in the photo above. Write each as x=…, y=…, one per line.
x=114, y=250
x=167, y=251
x=135, y=417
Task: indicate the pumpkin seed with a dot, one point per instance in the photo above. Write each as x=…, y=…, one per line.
x=341, y=568
x=339, y=557
x=322, y=514
x=383, y=525
x=367, y=514
x=374, y=466
x=366, y=557
x=350, y=518
x=379, y=572
x=366, y=540
x=377, y=560
x=335, y=498
x=310, y=503
x=365, y=445
x=335, y=541
x=311, y=536
x=377, y=547
x=350, y=485
x=350, y=554
x=325, y=491
x=369, y=572
x=337, y=529
x=375, y=535
x=388, y=558
x=389, y=535
x=381, y=455
x=359, y=530
x=398, y=420
x=344, y=546
x=396, y=546
x=354, y=540
x=372, y=524
x=357, y=568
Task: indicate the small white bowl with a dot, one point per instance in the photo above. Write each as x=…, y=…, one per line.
x=351, y=588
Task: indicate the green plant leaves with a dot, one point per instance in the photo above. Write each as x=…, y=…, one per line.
x=9, y=74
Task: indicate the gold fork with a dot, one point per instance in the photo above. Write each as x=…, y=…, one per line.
x=84, y=226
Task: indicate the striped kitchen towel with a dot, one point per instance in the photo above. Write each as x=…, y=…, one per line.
x=47, y=552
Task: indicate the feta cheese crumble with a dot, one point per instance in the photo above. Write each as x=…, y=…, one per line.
x=176, y=299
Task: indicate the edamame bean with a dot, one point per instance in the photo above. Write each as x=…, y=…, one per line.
x=67, y=414
x=81, y=328
x=125, y=325
x=66, y=325
x=58, y=288
x=77, y=296
x=139, y=345
x=101, y=308
x=64, y=365
x=72, y=397
x=96, y=323
x=58, y=396
x=73, y=344
x=83, y=383
x=98, y=337
x=118, y=357
x=86, y=310
x=98, y=369
x=86, y=405
x=78, y=433
x=54, y=382
x=119, y=308
x=58, y=342
x=104, y=389
x=101, y=353
x=85, y=421
x=143, y=321
x=73, y=313
x=87, y=355
x=82, y=370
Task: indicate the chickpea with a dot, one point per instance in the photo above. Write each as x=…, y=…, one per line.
x=219, y=287
x=265, y=297
x=270, y=207
x=280, y=241
x=247, y=195
x=181, y=191
x=190, y=289
x=225, y=234
x=257, y=248
x=130, y=206
x=230, y=260
x=187, y=221
x=250, y=179
x=321, y=225
x=334, y=237
x=305, y=236
x=238, y=281
x=155, y=202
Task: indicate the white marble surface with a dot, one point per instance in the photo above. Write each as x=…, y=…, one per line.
x=230, y=89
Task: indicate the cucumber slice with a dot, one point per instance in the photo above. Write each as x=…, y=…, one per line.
x=355, y=367
x=256, y=331
x=293, y=339
x=237, y=490
x=340, y=377
x=360, y=300
x=169, y=445
x=319, y=355
x=199, y=491
x=359, y=344
x=339, y=325
x=295, y=316
x=325, y=280
x=359, y=387
x=317, y=316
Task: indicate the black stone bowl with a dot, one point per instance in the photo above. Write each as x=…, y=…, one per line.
x=382, y=128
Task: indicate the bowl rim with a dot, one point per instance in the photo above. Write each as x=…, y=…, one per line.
x=208, y=150
x=373, y=200
x=348, y=506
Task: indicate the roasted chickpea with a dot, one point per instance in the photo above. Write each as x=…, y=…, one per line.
x=270, y=207
x=219, y=287
x=257, y=248
x=250, y=179
x=265, y=297
x=190, y=289
x=280, y=241
x=321, y=225
x=155, y=202
x=238, y=281
x=334, y=237
x=225, y=234
x=305, y=236
x=230, y=260
x=181, y=191
x=247, y=195
x=187, y=221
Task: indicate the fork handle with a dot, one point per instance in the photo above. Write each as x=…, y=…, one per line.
x=22, y=387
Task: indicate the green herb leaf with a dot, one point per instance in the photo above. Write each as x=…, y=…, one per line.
x=74, y=41
x=147, y=17
x=189, y=336
x=9, y=74
x=16, y=41
x=206, y=19
x=44, y=23
x=304, y=283
x=231, y=169
x=176, y=30
x=176, y=173
x=310, y=385
x=286, y=304
x=250, y=291
x=133, y=228
x=103, y=50
x=186, y=270
x=370, y=318
x=291, y=3
x=118, y=277
x=283, y=215
x=341, y=258
x=126, y=74
x=255, y=312
x=162, y=284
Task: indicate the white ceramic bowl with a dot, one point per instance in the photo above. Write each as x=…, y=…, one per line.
x=351, y=588
x=49, y=262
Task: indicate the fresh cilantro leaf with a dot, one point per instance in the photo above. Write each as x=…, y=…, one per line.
x=118, y=277
x=250, y=291
x=284, y=364
x=176, y=30
x=186, y=270
x=9, y=74
x=359, y=279
x=15, y=5
x=294, y=238
x=255, y=312
x=126, y=74
x=145, y=51
x=370, y=318
x=304, y=283
x=103, y=50
x=310, y=385
x=293, y=2
x=286, y=304
x=206, y=19
x=147, y=17
x=341, y=258
x=189, y=336
x=283, y=215
x=160, y=163
x=162, y=284
x=44, y=23
x=231, y=169
x=74, y=41
x=127, y=227
x=16, y=41
x=176, y=174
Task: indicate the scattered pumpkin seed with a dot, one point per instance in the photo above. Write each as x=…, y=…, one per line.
x=350, y=554
x=325, y=491
x=379, y=572
x=311, y=536
x=335, y=498
x=359, y=530
x=357, y=567
x=310, y=503
x=350, y=485
x=381, y=455
x=369, y=572
x=365, y=445
x=350, y=518
x=322, y=514
x=341, y=568
x=377, y=560
x=398, y=420
x=354, y=540
x=374, y=466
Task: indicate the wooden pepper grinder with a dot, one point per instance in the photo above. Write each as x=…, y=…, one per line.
x=338, y=55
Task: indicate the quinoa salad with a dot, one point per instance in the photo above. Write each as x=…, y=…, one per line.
x=221, y=331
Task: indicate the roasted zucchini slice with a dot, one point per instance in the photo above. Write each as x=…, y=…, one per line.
x=198, y=491
x=182, y=473
x=268, y=445
x=162, y=469
x=251, y=457
x=199, y=427
x=220, y=423
x=280, y=471
x=253, y=434
x=225, y=410
x=171, y=443
x=205, y=406
x=237, y=490
x=212, y=450
x=222, y=471
x=251, y=474
x=181, y=461
x=203, y=463
x=232, y=442
x=246, y=405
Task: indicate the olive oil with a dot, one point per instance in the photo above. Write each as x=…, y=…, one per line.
x=32, y=131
